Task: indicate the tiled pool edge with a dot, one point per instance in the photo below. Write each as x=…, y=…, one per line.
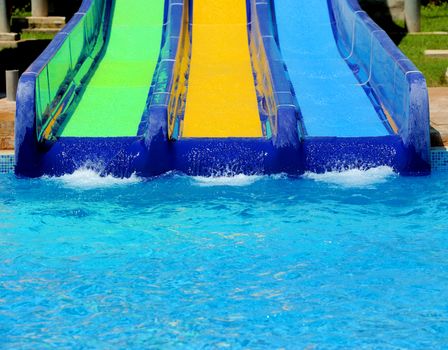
x=439, y=161
x=7, y=162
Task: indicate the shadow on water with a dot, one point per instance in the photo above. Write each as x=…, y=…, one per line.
x=380, y=12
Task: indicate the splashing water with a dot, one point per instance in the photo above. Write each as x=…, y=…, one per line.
x=354, y=177
x=85, y=178
x=235, y=180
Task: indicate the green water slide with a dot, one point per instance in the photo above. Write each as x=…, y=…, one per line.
x=114, y=100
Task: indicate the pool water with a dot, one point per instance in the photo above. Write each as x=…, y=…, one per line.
x=336, y=261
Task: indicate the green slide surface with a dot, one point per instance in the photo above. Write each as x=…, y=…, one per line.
x=114, y=99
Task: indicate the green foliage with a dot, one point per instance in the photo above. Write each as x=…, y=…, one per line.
x=435, y=18
x=37, y=36
x=21, y=13
x=434, y=69
x=434, y=2
x=21, y=8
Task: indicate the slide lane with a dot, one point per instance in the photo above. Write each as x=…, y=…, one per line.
x=330, y=97
x=114, y=100
x=221, y=98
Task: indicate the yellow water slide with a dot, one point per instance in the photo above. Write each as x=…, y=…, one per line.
x=221, y=99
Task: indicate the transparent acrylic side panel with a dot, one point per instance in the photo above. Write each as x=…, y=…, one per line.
x=42, y=98
x=89, y=28
x=377, y=66
x=391, y=84
x=59, y=68
x=345, y=22
x=382, y=72
x=362, y=46
x=401, y=99
x=54, y=79
x=76, y=38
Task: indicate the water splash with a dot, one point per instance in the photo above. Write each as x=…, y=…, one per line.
x=239, y=180
x=85, y=178
x=354, y=177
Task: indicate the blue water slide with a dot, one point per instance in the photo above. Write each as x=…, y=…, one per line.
x=361, y=101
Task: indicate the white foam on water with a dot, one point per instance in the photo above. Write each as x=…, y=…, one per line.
x=280, y=176
x=354, y=177
x=238, y=180
x=85, y=178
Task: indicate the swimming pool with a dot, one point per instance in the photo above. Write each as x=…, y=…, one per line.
x=333, y=261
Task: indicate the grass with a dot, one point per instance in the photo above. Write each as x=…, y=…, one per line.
x=38, y=36
x=434, y=69
x=433, y=19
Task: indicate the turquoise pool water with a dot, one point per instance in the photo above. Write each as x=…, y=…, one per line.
x=337, y=261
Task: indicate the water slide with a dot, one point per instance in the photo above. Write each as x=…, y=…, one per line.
x=331, y=99
x=221, y=99
x=209, y=87
x=114, y=99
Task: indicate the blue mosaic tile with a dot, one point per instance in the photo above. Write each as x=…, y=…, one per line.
x=7, y=164
x=439, y=159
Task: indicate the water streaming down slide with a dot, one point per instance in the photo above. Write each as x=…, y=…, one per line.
x=114, y=100
x=221, y=99
x=331, y=99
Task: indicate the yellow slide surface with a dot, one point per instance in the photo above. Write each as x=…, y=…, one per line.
x=221, y=99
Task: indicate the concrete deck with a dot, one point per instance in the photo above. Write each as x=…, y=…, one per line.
x=438, y=100
x=7, y=112
x=437, y=53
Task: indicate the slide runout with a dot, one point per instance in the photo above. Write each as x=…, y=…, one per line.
x=331, y=100
x=114, y=100
x=221, y=98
